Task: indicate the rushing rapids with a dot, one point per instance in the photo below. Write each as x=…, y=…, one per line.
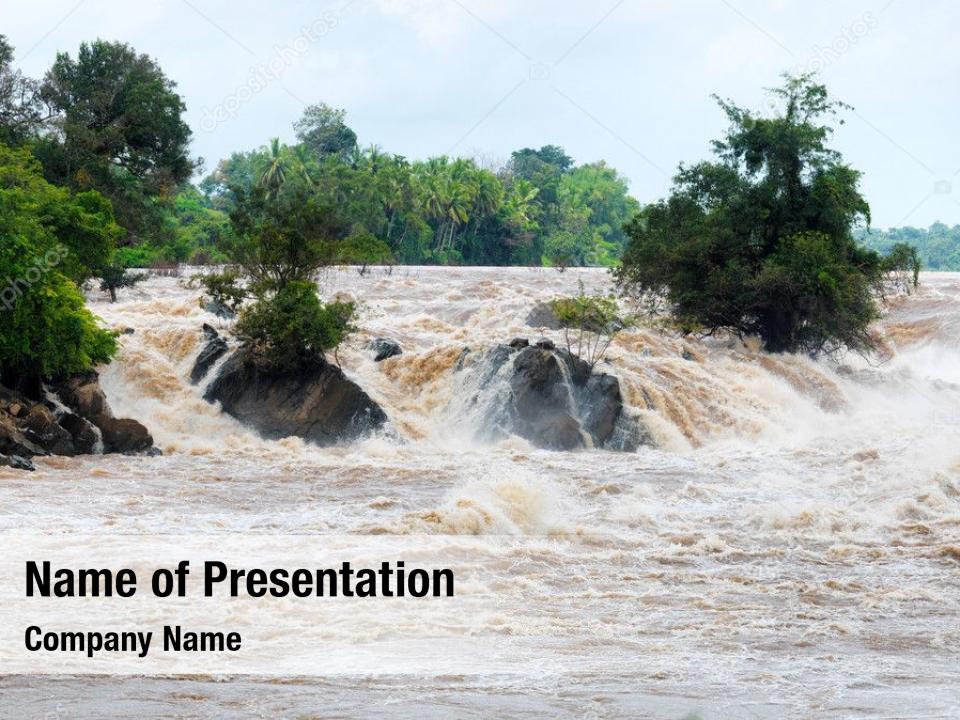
x=791, y=529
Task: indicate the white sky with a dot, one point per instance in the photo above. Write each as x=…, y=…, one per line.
x=626, y=81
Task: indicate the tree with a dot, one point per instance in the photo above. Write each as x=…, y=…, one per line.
x=902, y=264
x=760, y=240
x=589, y=323
x=113, y=277
x=290, y=329
x=50, y=240
x=281, y=241
x=595, y=203
x=324, y=133
x=284, y=237
x=118, y=129
x=544, y=168
x=364, y=249
x=21, y=112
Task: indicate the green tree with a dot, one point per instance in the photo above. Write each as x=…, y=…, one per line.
x=324, y=133
x=902, y=264
x=291, y=329
x=21, y=112
x=118, y=129
x=363, y=249
x=760, y=241
x=290, y=236
x=114, y=276
x=590, y=323
x=50, y=240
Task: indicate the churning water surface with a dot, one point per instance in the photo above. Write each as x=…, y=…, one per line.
x=790, y=547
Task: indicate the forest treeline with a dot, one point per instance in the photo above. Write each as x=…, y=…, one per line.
x=109, y=120
x=938, y=246
x=96, y=178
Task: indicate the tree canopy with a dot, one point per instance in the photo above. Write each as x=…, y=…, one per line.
x=116, y=127
x=759, y=241
x=51, y=240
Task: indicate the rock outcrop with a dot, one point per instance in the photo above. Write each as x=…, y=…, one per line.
x=384, y=348
x=17, y=462
x=83, y=395
x=319, y=404
x=73, y=418
x=214, y=348
x=553, y=399
x=542, y=316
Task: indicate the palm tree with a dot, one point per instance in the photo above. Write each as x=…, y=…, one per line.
x=275, y=174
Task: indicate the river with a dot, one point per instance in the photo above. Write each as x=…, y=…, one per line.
x=789, y=548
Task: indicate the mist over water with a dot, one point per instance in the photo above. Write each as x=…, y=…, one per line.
x=790, y=545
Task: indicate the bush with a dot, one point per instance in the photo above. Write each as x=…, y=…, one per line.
x=141, y=256
x=224, y=289
x=363, y=249
x=291, y=329
x=589, y=323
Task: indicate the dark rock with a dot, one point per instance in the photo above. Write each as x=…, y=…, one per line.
x=17, y=462
x=149, y=452
x=687, y=355
x=600, y=406
x=14, y=442
x=40, y=426
x=519, y=343
x=384, y=348
x=214, y=348
x=319, y=404
x=127, y=331
x=123, y=435
x=83, y=394
x=85, y=435
x=218, y=309
x=546, y=344
x=553, y=399
x=542, y=316
x=542, y=403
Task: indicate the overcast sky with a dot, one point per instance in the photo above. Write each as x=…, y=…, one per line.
x=626, y=81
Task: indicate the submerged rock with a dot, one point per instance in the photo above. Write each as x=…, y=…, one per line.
x=319, y=404
x=17, y=462
x=215, y=347
x=218, y=309
x=542, y=316
x=384, y=348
